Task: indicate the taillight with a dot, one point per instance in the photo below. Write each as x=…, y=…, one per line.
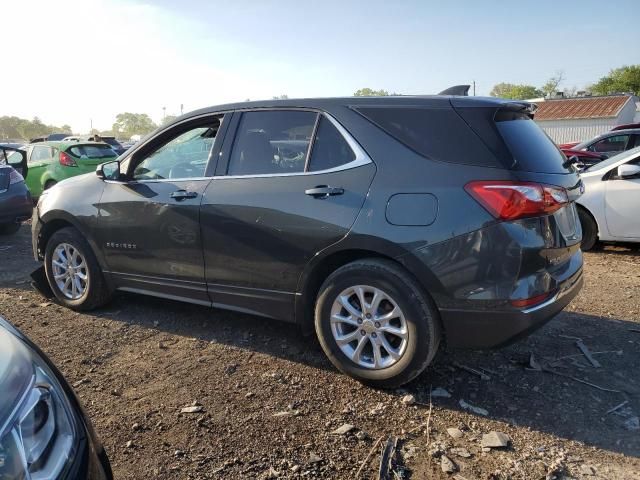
x=508, y=200
x=15, y=177
x=66, y=160
x=529, y=302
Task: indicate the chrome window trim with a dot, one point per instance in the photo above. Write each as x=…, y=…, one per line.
x=361, y=156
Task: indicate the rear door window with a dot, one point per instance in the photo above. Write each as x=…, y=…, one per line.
x=271, y=142
x=531, y=147
x=330, y=149
x=40, y=153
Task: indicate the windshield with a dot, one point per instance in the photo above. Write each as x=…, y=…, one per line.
x=629, y=154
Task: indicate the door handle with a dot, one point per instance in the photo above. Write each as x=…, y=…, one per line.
x=323, y=191
x=183, y=194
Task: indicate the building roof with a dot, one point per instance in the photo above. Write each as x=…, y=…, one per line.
x=576, y=108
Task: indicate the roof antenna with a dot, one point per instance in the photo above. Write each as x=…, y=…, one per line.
x=462, y=90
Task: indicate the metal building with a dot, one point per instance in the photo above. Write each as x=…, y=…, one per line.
x=579, y=119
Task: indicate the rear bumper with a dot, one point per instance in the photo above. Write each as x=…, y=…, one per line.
x=15, y=204
x=490, y=329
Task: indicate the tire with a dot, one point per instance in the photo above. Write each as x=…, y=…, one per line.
x=589, y=230
x=96, y=292
x=9, y=228
x=48, y=184
x=417, y=313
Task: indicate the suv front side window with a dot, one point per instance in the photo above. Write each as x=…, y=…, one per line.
x=183, y=156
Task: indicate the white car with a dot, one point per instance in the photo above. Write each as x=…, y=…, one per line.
x=609, y=209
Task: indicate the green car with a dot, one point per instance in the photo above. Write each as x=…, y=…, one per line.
x=52, y=162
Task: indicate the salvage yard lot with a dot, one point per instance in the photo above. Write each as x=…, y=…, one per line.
x=268, y=402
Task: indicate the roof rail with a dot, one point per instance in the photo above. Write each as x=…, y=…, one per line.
x=462, y=90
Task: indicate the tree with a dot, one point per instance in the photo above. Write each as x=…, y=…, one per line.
x=128, y=124
x=367, y=92
x=549, y=88
x=168, y=119
x=514, y=91
x=281, y=97
x=623, y=79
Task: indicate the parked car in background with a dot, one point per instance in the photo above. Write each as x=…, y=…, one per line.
x=117, y=147
x=383, y=223
x=609, y=210
x=625, y=126
x=606, y=145
x=44, y=432
x=16, y=205
x=52, y=162
x=52, y=137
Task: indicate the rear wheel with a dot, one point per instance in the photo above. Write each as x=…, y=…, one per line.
x=9, y=228
x=73, y=271
x=49, y=183
x=375, y=323
x=589, y=230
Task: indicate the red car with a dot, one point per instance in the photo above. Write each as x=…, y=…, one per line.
x=603, y=146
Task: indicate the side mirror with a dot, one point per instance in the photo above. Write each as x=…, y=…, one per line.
x=628, y=171
x=109, y=170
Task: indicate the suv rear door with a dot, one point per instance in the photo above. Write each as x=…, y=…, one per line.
x=290, y=183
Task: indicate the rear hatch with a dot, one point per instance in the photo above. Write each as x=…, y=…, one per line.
x=91, y=154
x=524, y=148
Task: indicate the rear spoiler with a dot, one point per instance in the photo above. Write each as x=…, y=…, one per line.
x=461, y=90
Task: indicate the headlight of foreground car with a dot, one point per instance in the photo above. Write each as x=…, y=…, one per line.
x=38, y=427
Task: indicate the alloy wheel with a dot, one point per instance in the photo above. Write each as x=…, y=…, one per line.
x=369, y=327
x=70, y=271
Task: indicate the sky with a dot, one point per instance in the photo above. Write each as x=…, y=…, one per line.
x=81, y=62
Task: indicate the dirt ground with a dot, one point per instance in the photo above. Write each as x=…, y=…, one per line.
x=269, y=402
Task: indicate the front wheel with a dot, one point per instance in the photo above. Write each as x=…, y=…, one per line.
x=73, y=271
x=589, y=230
x=376, y=324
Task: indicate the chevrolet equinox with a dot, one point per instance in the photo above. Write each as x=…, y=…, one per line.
x=388, y=225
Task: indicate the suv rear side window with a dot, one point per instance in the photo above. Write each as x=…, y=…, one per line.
x=435, y=133
x=271, y=142
x=530, y=146
x=330, y=149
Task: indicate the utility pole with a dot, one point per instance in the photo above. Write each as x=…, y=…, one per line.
x=474, y=88
x=91, y=125
x=181, y=108
x=164, y=113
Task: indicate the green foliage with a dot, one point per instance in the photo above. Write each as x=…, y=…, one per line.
x=168, y=119
x=368, y=92
x=128, y=124
x=281, y=97
x=552, y=84
x=623, y=79
x=15, y=128
x=514, y=91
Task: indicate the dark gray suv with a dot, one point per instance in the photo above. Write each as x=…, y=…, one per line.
x=388, y=225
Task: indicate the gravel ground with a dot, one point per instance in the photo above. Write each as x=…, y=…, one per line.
x=267, y=404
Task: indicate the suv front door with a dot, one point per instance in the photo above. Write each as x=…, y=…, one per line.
x=148, y=224
x=291, y=185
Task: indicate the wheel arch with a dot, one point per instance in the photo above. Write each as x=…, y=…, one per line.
x=322, y=266
x=580, y=206
x=55, y=220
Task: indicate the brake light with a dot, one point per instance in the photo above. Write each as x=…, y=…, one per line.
x=508, y=200
x=66, y=160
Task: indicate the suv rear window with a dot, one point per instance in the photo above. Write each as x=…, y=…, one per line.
x=530, y=146
x=435, y=133
x=92, y=151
